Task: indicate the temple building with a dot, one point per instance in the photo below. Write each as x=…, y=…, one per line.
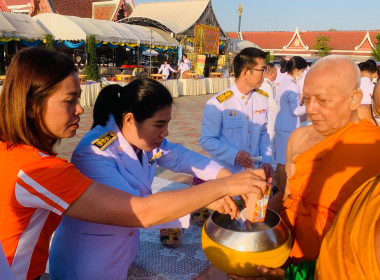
x=356, y=44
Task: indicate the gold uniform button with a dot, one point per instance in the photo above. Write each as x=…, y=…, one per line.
x=249, y=146
x=249, y=131
x=247, y=117
x=246, y=102
x=242, y=97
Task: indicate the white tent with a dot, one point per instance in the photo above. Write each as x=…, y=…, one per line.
x=177, y=16
x=21, y=26
x=237, y=45
x=150, y=53
x=77, y=29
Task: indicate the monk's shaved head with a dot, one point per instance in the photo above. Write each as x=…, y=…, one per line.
x=339, y=70
x=332, y=94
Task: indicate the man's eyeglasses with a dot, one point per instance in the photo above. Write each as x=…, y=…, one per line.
x=264, y=70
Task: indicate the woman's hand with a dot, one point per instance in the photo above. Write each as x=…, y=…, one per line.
x=266, y=273
x=225, y=205
x=248, y=181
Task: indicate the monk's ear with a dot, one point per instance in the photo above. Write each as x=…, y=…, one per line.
x=356, y=99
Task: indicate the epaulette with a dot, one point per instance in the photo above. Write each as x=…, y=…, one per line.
x=262, y=92
x=105, y=140
x=225, y=96
x=294, y=82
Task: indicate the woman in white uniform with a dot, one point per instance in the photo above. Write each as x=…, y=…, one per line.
x=288, y=117
x=136, y=117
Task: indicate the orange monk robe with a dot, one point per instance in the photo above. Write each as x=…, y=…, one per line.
x=348, y=249
x=325, y=177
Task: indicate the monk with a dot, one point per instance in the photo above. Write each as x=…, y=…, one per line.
x=372, y=111
x=328, y=160
x=351, y=249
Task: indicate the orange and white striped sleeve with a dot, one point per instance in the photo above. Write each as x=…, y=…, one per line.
x=50, y=183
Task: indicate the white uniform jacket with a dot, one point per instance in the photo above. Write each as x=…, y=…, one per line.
x=165, y=69
x=84, y=250
x=183, y=67
x=187, y=61
x=232, y=122
x=367, y=87
x=288, y=97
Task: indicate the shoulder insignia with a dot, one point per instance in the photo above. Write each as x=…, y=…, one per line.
x=269, y=83
x=262, y=92
x=105, y=140
x=155, y=157
x=294, y=82
x=225, y=96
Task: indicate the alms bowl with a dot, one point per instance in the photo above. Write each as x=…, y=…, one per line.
x=239, y=250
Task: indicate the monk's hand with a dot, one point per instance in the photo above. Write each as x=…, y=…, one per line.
x=244, y=159
x=268, y=172
x=248, y=181
x=265, y=274
x=225, y=205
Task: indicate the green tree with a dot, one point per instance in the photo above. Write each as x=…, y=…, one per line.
x=332, y=29
x=321, y=45
x=49, y=42
x=92, y=70
x=269, y=58
x=2, y=64
x=376, y=51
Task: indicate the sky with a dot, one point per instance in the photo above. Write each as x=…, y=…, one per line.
x=286, y=15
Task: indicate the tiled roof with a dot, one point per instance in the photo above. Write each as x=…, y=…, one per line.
x=17, y=2
x=79, y=8
x=339, y=40
x=104, y=12
x=3, y=6
x=266, y=40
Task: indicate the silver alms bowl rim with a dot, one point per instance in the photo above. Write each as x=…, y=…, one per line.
x=260, y=241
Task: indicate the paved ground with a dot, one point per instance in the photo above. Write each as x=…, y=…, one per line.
x=184, y=128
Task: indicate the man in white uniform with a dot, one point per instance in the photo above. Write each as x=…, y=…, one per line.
x=268, y=87
x=367, y=73
x=234, y=125
x=165, y=69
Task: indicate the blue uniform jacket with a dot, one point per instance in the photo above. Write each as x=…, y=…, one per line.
x=84, y=250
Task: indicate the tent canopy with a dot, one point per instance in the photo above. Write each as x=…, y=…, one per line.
x=237, y=45
x=13, y=25
x=77, y=29
x=176, y=17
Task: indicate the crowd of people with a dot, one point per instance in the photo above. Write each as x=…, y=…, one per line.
x=327, y=177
